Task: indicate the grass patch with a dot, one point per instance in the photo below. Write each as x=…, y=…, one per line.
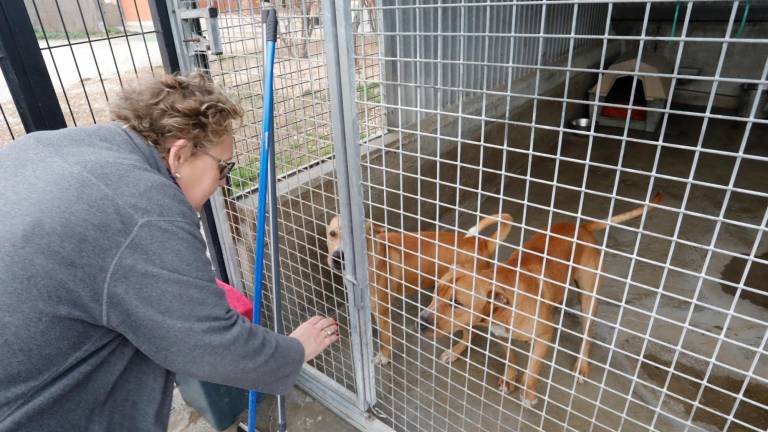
x=369, y=92
x=301, y=150
x=246, y=175
x=111, y=31
x=291, y=154
x=320, y=94
x=256, y=100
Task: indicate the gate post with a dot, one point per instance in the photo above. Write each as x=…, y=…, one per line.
x=25, y=73
x=178, y=58
x=346, y=146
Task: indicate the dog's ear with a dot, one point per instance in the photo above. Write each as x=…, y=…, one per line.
x=494, y=298
x=500, y=298
x=372, y=228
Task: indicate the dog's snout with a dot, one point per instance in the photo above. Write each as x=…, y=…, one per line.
x=337, y=258
x=426, y=321
x=423, y=327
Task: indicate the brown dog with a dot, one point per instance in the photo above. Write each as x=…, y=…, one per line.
x=522, y=302
x=402, y=262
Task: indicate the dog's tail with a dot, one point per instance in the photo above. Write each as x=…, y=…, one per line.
x=597, y=226
x=505, y=225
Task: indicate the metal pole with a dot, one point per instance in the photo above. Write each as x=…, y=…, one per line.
x=340, y=63
x=269, y=32
x=270, y=29
x=164, y=30
x=274, y=252
x=24, y=69
x=177, y=58
x=356, y=217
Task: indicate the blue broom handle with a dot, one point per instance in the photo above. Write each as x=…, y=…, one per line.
x=258, y=267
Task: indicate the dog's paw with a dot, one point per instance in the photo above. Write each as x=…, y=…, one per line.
x=528, y=403
x=505, y=386
x=381, y=360
x=448, y=357
x=581, y=369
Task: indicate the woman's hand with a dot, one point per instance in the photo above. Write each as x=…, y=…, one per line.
x=316, y=334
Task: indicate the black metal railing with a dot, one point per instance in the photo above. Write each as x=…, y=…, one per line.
x=63, y=60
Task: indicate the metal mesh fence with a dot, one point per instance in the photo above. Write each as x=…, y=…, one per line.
x=564, y=115
x=552, y=124
x=92, y=50
x=570, y=112
x=304, y=162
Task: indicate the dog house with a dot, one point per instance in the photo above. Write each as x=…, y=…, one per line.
x=650, y=91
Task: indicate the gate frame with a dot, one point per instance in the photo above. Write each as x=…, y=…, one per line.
x=178, y=58
x=353, y=407
x=337, y=19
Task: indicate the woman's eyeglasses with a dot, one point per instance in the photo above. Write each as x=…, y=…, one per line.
x=225, y=167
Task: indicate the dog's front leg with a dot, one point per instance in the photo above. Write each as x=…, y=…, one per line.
x=384, y=323
x=507, y=382
x=540, y=347
x=449, y=356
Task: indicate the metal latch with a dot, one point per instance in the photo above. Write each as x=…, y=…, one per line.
x=198, y=43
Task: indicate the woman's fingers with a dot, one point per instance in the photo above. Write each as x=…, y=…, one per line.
x=316, y=334
x=330, y=339
x=331, y=330
x=325, y=322
x=314, y=320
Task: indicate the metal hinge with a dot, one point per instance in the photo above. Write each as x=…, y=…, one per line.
x=351, y=280
x=196, y=42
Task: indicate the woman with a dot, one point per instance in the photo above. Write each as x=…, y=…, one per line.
x=105, y=287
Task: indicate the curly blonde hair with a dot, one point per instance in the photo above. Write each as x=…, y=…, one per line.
x=181, y=107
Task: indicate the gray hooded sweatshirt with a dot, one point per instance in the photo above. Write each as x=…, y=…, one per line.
x=105, y=289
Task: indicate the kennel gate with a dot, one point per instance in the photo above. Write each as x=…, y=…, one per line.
x=452, y=110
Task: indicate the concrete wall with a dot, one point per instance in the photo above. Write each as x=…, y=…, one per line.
x=436, y=57
x=136, y=11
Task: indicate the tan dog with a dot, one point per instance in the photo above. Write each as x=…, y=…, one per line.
x=523, y=302
x=403, y=262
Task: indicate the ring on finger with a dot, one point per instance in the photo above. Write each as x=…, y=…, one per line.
x=329, y=333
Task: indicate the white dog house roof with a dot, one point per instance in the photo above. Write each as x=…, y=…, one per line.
x=655, y=88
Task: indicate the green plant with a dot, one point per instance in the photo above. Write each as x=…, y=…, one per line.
x=245, y=176
x=111, y=31
x=369, y=92
x=291, y=153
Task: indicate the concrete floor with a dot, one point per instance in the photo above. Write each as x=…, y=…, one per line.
x=304, y=414
x=417, y=392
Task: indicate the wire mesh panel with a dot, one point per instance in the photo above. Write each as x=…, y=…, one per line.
x=304, y=162
x=92, y=49
x=624, y=140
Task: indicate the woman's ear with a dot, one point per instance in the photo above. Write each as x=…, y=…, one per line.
x=178, y=152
